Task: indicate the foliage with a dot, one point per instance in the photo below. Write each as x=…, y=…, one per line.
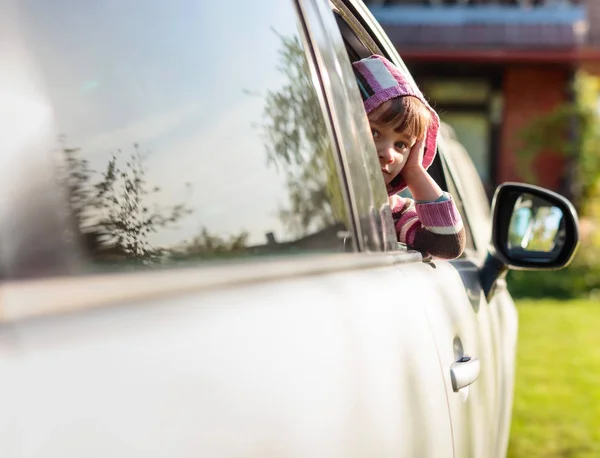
x=580, y=279
x=572, y=130
x=575, y=281
x=298, y=143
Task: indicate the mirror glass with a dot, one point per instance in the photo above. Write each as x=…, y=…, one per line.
x=536, y=226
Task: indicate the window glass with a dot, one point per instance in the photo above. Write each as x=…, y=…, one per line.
x=188, y=130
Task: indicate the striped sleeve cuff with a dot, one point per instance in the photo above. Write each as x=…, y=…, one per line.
x=440, y=217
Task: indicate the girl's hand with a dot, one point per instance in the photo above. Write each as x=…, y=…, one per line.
x=420, y=183
x=414, y=163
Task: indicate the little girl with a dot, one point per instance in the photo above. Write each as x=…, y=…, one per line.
x=405, y=129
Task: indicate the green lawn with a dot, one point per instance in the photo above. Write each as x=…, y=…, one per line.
x=557, y=396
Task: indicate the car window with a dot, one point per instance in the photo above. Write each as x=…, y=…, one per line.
x=186, y=130
x=358, y=44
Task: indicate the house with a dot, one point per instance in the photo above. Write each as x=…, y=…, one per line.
x=491, y=66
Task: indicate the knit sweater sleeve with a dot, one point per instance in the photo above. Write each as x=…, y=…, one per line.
x=432, y=228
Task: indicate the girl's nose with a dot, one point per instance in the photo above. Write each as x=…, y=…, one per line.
x=386, y=156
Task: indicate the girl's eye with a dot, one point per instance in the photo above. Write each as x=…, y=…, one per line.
x=374, y=133
x=401, y=145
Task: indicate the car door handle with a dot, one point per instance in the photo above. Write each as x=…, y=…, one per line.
x=464, y=372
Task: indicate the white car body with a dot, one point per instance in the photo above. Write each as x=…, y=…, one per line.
x=324, y=355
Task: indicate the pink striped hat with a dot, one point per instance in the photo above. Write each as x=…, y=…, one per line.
x=379, y=81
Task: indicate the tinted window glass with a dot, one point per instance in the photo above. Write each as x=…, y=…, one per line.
x=188, y=130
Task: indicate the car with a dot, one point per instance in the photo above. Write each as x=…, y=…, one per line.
x=199, y=258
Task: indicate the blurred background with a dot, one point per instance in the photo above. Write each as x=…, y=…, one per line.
x=519, y=81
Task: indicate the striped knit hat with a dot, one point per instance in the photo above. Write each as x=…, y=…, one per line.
x=379, y=81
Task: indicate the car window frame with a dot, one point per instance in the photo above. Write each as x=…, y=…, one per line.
x=359, y=19
x=380, y=39
x=382, y=215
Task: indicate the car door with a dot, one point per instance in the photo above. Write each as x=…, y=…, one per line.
x=501, y=308
x=465, y=325
x=178, y=286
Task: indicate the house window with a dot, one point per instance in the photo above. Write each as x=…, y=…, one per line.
x=471, y=107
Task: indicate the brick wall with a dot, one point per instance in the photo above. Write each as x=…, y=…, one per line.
x=529, y=91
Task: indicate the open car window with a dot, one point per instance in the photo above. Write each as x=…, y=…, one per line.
x=359, y=44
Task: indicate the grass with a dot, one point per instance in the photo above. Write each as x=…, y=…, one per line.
x=557, y=395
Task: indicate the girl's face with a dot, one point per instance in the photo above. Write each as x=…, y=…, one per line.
x=393, y=146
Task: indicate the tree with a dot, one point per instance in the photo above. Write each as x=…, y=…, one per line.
x=572, y=130
x=298, y=143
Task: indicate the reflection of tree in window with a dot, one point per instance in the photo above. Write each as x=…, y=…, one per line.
x=298, y=143
x=115, y=215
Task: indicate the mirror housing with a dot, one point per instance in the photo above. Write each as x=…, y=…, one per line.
x=532, y=229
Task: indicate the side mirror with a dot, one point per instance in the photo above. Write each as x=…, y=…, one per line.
x=532, y=229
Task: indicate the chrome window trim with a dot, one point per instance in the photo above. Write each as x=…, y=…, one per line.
x=348, y=16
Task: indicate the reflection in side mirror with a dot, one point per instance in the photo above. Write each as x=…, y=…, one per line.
x=533, y=229
x=536, y=226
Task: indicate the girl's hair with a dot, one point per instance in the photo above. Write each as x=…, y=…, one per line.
x=407, y=114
